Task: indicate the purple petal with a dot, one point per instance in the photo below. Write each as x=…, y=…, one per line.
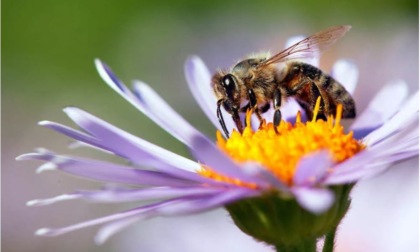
x=114, y=227
x=134, y=156
x=380, y=109
x=208, y=154
x=404, y=140
x=206, y=203
x=405, y=115
x=78, y=144
x=138, y=101
x=346, y=73
x=59, y=198
x=402, y=155
x=104, y=171
x=146, y=153
x=265, y=176
x=118, y=86
x=163, y=114
x=112, y=80
x=353, y=169
x=315, y=200
x=144, y=194
x=140, y=211
x=180, y=207
x=356, y=174
x=72, y=133
x=198, y=79
x=374, y=160
x=373, y=169
x=116, y=195
x=312, y=168
x=169, y=207
x=138, y=150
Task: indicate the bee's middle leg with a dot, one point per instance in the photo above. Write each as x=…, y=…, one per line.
x=254, y=106
x=257, y=110
x=277, y=105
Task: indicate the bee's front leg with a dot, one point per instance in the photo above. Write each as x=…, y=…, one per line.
x=259, y=110
x=220, y=117
x=233, y=111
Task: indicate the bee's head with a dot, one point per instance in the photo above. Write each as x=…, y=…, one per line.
x=227, y=91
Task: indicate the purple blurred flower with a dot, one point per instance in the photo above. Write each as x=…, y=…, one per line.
x=389, y=130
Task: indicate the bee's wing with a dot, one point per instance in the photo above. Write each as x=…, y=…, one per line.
x=308, y=47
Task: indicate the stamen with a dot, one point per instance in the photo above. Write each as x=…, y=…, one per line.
x=248, y=117
x=316, y=109
x=298, y=117
x=338, y=116
x=280, y=153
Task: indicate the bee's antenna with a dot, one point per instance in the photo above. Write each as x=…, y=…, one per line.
x=220, y=117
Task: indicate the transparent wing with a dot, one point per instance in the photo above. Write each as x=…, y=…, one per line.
x=311, y=45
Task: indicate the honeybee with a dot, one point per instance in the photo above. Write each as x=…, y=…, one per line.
x=258, y=82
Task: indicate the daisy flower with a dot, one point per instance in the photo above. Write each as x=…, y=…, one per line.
x=286, y=189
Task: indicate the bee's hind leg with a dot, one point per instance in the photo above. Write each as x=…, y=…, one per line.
x=277, y=105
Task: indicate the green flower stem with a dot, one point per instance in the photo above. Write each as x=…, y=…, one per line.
x=329, y=241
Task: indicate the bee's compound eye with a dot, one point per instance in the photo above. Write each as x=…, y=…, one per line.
x=228, y=83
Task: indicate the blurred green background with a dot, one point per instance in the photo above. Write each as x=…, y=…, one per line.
x=48, y=49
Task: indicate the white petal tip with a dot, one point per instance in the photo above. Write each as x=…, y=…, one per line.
x=32, y=203
x=22, y=157
x=44, y=232
x=43, y=123
x=98, y=63
x=75, y=114
x=76, y=145
x=42, y=150
x=46, y=167
x=109, y=77
x=69, y=109
x=44, y=202
x=193, y=59
x=139, y=83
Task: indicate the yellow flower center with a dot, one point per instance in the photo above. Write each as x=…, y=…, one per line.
x=280, y=153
